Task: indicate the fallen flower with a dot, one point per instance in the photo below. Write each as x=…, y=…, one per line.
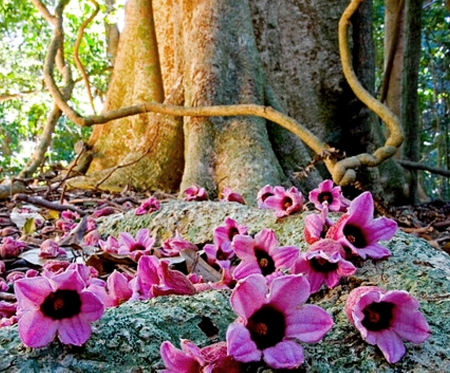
x=229, y=196
x=148, y=206
x=384, y=318
x=192, y=359
x=195, y=193
x=285, y=202
x=55, y=306
x=263, y=194
x=107, y=210
x=11, y=248
x=317, y=225
x=50, y=249
x=324, y=263
x=173, y=246
x=271, y=318
x=262, y=255
x=135, y=248
x=332, y=195
x=360, y=232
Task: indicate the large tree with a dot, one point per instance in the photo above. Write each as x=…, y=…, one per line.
x=251, y=55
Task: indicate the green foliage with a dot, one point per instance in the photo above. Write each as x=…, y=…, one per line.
x=434, y=88
x=24, y=38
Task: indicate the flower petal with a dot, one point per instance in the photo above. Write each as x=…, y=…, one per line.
x=177, y=361
x=36, y=330
x=240, y=345
x=285, y=256
x=31, y=292
x=74, y=330
x=91, y=306
x=284, y=355
x=390, y=345
x=380, y=229
x=309, y=324
x=249, y=295
x=361, y=210
x=289, y=292
x=245, y=269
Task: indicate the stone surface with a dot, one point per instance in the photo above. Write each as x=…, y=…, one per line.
x=128, y=337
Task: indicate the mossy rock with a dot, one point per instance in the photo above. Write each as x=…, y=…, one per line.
x=127, y=338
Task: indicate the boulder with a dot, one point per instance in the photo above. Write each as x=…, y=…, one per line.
x=127, y=338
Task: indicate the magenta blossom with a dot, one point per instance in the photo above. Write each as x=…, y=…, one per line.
x=285, y=202
x=385, y=318
x=104, y=211
x=195, y=193
x=222, y=251
x=11, y=248
x=327, y=192
x=50, y=249
x=324, y=263
x=154, y=278
x=262, y=255
x=135, y=248
x=2, y=267
x=173, y=246
x=92, y=238
x=116, y=290
x=360, y=232
x=111, y=245
x=263, y=194
x=191, y=359
x=55, y=306
x=272, y=318
x=148, y=206
x=317, y=225
x=229, y=196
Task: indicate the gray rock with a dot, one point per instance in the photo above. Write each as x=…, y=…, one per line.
x=127, y=338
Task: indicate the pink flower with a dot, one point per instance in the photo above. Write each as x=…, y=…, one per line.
x=360, y=232
x=135, y=248
x=119, y=290
x=262, y=255
x=50, y=249
x=2, y=267
x=54, y=267
x=317, y=225
x=285, y=202
x=92, y=238
x=191, y=359
x=148, y=206
x=111, y=245
x=327, y=192
x=107, y=210
x=154, y=278
x=195, y=193
x=229, y=196
x=55, y=306
x=271, y=318
x=173, y=246
x=263, y=194
x=324, y=263
x=222, y=251
x=11, y=248
x=385, y=318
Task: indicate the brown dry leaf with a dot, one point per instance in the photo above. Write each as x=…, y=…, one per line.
x=197, y=265
x=105, y=262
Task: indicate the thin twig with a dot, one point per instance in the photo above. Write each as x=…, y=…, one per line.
x=48, y=204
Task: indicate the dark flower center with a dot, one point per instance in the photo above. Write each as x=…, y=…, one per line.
x=61, y=304
x=323, y=265
x=267, y=326
x=355, y=236
x=377, y=316
x=265, y=196
x=137, y=246
x=324, y=231
x=221, y=255
x=286, y=202
x=265, y=261
x=325, y=196
x=232, y=232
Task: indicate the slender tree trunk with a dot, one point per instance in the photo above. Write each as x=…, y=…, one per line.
x=410, y=111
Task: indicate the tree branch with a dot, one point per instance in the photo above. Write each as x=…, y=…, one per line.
x=77, y=58
x=424, y=167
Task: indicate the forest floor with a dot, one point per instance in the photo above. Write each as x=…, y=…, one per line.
x=430, y=221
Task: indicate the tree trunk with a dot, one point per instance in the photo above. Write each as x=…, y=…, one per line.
x=218, y=52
